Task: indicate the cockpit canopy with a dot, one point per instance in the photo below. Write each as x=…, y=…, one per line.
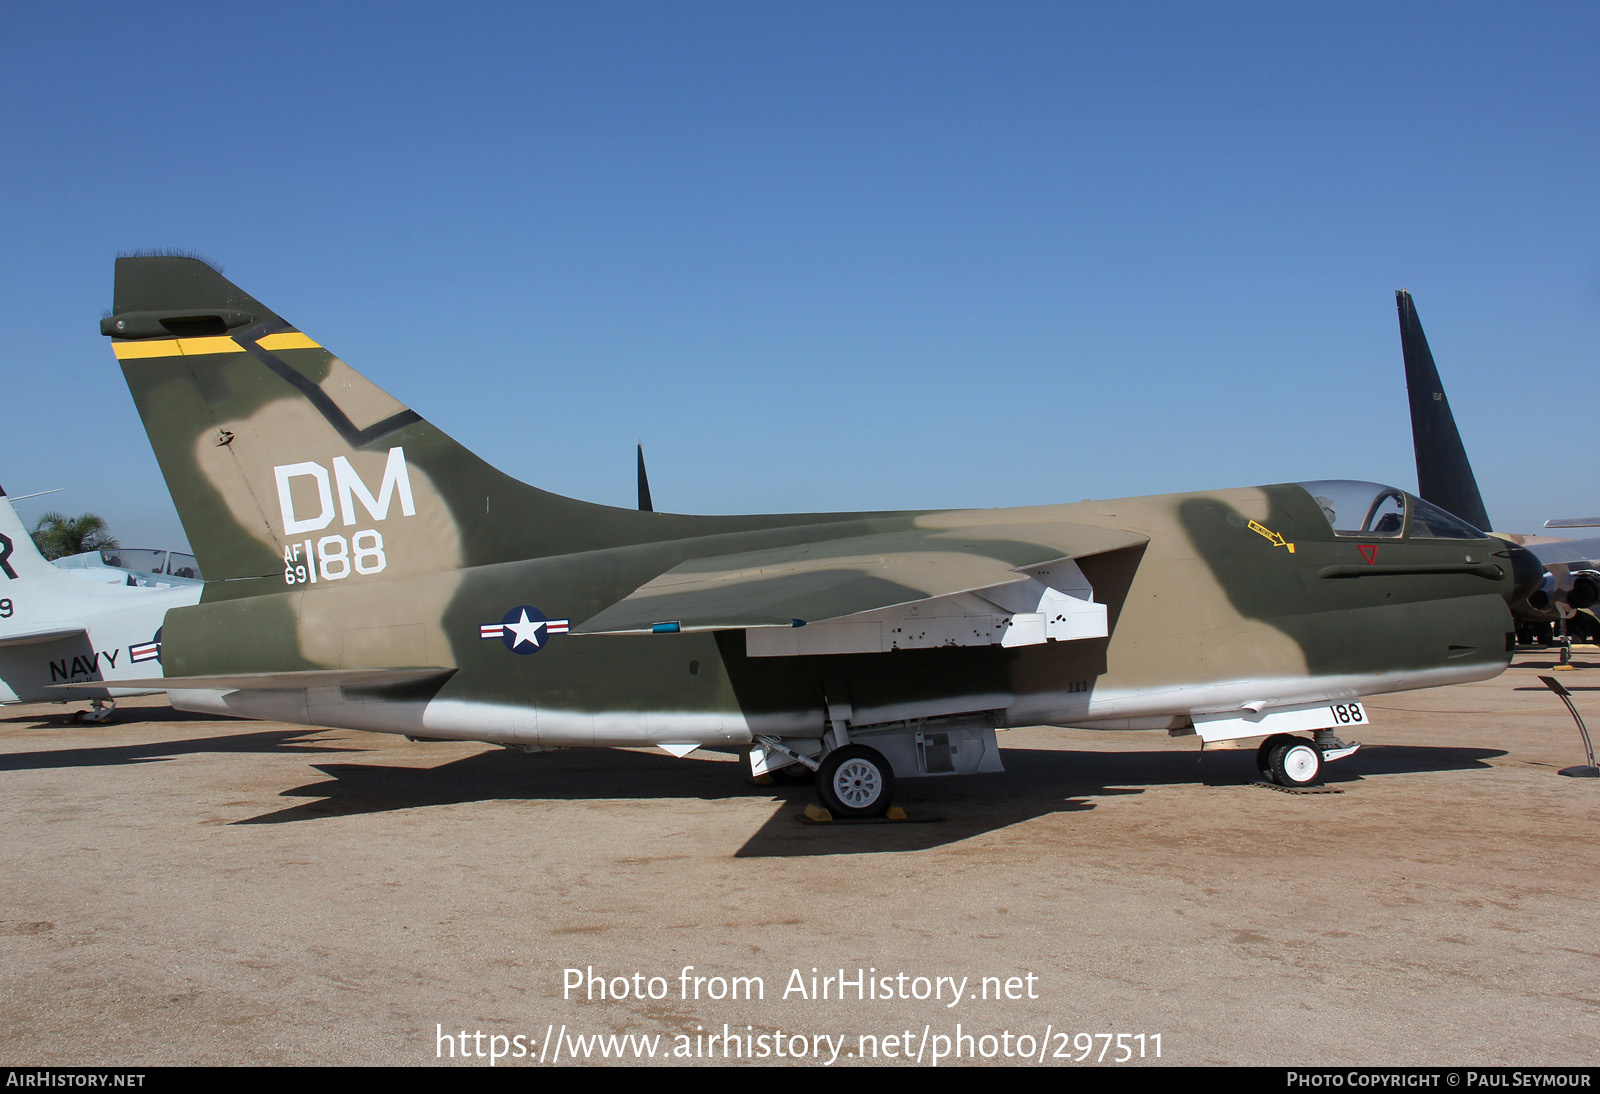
x=1369, y=509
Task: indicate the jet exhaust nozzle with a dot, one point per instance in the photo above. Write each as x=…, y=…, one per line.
x=1579, y=592
x=1585, y=592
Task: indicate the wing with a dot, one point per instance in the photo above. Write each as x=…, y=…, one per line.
x=1575, y=554
x=50, y=635
x=976, y=585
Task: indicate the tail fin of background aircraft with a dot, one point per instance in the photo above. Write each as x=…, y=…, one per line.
x=1444, y=476
x=645, y=504
x=288, y=465
x=19, y=558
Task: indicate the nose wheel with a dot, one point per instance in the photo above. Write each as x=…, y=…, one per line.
x=1290, y=761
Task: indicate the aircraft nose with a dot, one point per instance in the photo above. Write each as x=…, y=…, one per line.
x=1526, y=573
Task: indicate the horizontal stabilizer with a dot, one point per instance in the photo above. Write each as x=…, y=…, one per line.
x=287, y=681
x=811, y=582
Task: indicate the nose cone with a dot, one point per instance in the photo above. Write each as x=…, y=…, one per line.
x=1526, y=573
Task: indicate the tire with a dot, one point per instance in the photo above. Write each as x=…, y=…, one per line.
x=1264, y=753
x=855, y=781
x=1296, y=762
x=793, y=775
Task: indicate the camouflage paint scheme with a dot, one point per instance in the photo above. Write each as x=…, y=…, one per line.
x=275, y=451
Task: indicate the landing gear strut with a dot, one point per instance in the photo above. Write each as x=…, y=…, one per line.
x=101, y=711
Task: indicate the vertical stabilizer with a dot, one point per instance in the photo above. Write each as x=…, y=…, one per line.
x=286, y=464
x=19, y=558
x=1444, y=476
x=645, y=504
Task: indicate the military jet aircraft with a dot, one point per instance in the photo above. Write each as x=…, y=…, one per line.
x=365, y=571
x=62, y=638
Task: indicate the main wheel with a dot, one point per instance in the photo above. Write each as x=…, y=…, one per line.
x=792, y=774
x=855, y=781
x=1264, y=753
x=1296, y=762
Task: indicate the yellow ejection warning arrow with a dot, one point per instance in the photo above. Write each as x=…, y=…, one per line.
x=1270, y=536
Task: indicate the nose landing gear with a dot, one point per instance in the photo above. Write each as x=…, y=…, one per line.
x=1289, y=761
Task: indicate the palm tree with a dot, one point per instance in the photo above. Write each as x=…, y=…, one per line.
x=57, y=535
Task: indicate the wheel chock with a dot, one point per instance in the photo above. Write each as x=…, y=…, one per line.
x=1319, y=789
x=816, y=814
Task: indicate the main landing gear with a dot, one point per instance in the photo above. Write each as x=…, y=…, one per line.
x=855, y=781
x=101, y=712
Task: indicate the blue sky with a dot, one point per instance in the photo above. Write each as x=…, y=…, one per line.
x=833, y=256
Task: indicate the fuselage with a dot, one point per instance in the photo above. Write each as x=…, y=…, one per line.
x=1240, y=596
x=117, y=637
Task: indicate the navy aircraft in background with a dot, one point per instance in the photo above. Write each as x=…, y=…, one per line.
x=64, y=639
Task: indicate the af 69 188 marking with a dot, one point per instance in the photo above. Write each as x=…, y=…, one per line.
x=334, y=557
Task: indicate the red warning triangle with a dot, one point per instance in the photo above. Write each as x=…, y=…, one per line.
x=1369, y=551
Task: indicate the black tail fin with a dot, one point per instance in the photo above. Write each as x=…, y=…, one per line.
x=1444, y=476
x=645, y=504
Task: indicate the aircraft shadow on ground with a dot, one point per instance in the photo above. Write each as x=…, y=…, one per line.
x=1042, y=782
x=577, y=774
x=963, y=807
x=280, y=741
x=1405, y=759
x=1037, y=783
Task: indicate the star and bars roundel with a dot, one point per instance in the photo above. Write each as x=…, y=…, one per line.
x=524, y=629
x=146, y=651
